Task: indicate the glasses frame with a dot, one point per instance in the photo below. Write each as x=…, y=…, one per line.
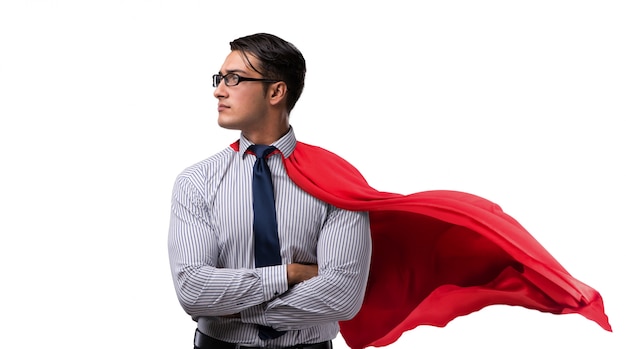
x=218, y=78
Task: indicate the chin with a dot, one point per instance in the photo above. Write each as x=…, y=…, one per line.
x=227, y=125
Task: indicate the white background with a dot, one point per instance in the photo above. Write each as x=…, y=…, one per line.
x=103, y=103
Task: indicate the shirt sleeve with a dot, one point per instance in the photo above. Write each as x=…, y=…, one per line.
x=202, y=288
x=336, y=294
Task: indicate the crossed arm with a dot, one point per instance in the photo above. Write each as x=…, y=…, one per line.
x=292, y=296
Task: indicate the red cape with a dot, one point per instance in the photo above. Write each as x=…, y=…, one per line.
x=437, y=255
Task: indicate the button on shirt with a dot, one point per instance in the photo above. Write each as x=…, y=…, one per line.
x=211, y=249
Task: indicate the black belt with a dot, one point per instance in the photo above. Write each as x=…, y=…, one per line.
x=202, y=341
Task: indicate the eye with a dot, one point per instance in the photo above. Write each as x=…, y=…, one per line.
x=231, y=79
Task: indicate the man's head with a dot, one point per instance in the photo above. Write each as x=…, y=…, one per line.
x=276, y=59
x=258, y=85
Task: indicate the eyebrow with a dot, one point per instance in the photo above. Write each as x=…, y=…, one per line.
x=233, y=71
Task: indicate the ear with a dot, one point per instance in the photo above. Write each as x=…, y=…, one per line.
x=277, y=93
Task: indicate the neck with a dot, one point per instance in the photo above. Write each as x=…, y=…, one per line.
x=270, y=134
x=267, y=137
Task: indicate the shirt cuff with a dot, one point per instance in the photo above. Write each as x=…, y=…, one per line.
x=274, y=281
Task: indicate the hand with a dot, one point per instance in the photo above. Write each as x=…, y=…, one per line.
x=297, y=272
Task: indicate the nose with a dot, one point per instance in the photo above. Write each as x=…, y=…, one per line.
x=220, y=90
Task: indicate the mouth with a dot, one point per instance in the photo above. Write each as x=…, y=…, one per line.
x=222, y=107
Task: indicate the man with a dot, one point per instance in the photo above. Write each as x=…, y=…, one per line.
x=324, y=251
x=434, y=255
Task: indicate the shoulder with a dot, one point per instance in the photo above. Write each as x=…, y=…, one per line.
x=306, y=147
x=311, y=156
x=205, y=170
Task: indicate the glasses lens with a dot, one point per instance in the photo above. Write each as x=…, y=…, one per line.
x=217, y=78
x=231, y=79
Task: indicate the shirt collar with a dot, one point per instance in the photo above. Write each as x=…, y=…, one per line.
x=286, y=144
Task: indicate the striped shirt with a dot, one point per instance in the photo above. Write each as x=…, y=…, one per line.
x=211, y=252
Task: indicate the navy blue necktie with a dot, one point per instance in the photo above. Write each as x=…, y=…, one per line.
x=266, y=243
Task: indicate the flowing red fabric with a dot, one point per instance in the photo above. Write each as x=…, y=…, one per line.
x=437, y=255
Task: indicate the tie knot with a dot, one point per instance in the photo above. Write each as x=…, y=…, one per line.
x=261, y=151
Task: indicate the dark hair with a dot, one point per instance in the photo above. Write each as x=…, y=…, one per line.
x=278, y=59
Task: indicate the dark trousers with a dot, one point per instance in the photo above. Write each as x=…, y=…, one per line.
x=202, y=341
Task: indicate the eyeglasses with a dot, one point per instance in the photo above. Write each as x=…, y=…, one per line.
x=232, y=79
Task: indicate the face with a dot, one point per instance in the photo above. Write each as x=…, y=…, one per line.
x=243, y=107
